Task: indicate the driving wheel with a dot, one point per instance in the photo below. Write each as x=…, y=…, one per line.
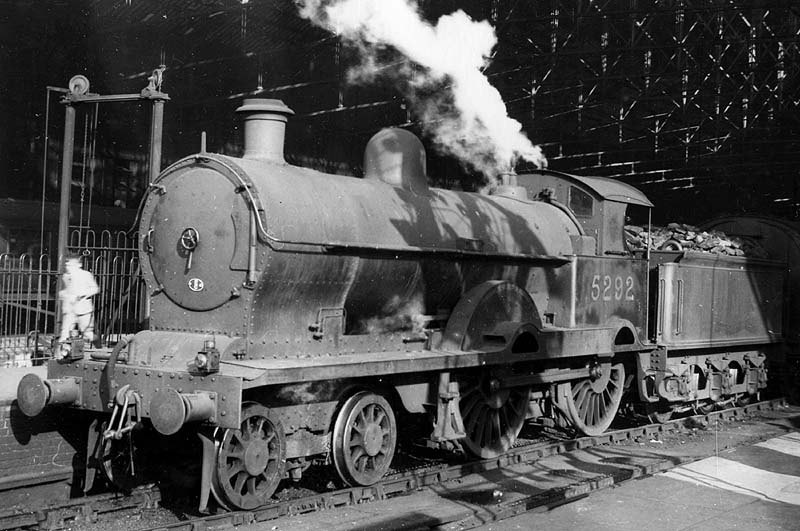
x=592, y=403
x=492, y=417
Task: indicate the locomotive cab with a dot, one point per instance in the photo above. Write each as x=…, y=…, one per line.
x=609, y=281
x=598, y=204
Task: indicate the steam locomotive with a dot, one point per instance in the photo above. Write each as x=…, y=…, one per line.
x=295, y=315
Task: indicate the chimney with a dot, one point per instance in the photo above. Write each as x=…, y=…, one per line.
x=264, y=128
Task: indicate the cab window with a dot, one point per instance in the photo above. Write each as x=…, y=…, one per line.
x=580, y=202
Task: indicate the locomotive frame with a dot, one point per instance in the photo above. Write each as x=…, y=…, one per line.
x=295, y=315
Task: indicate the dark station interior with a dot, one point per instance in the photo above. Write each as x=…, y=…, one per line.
x=266, y=259
x=694, y=103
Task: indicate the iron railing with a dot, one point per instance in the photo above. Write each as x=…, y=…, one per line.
x=29, y=288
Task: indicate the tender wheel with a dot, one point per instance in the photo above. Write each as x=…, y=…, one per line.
x=250, y=460
x=591, y=404
x=364, y=439
x=492, y=417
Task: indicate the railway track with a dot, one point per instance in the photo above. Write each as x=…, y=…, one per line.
x=58, y=516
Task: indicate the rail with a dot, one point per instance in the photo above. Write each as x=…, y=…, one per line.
x=57, y=515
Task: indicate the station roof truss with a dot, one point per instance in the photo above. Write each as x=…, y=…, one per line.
x=672, y=96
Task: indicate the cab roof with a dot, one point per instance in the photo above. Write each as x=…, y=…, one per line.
x=607, y=189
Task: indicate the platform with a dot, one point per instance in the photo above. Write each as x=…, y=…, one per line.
x=10, y=377
x=752, y=481
x=748, y=488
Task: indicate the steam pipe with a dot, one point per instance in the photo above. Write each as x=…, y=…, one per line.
x=103, y=355
x=251, y=255
x=112, y=362
x=564, y=208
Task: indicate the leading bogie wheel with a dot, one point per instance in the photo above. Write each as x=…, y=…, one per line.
x=592, y=403
x=364, y=439
x=250, y=461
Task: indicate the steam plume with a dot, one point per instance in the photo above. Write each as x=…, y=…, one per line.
x=441, y=78
x=399, y=315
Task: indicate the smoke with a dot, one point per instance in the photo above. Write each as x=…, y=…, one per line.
x=439, y=72
x=398, y=315
x=307, y=392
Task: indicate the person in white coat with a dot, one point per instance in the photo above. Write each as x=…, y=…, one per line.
x=76, y=301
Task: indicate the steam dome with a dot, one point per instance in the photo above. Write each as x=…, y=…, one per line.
x=396, y=157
